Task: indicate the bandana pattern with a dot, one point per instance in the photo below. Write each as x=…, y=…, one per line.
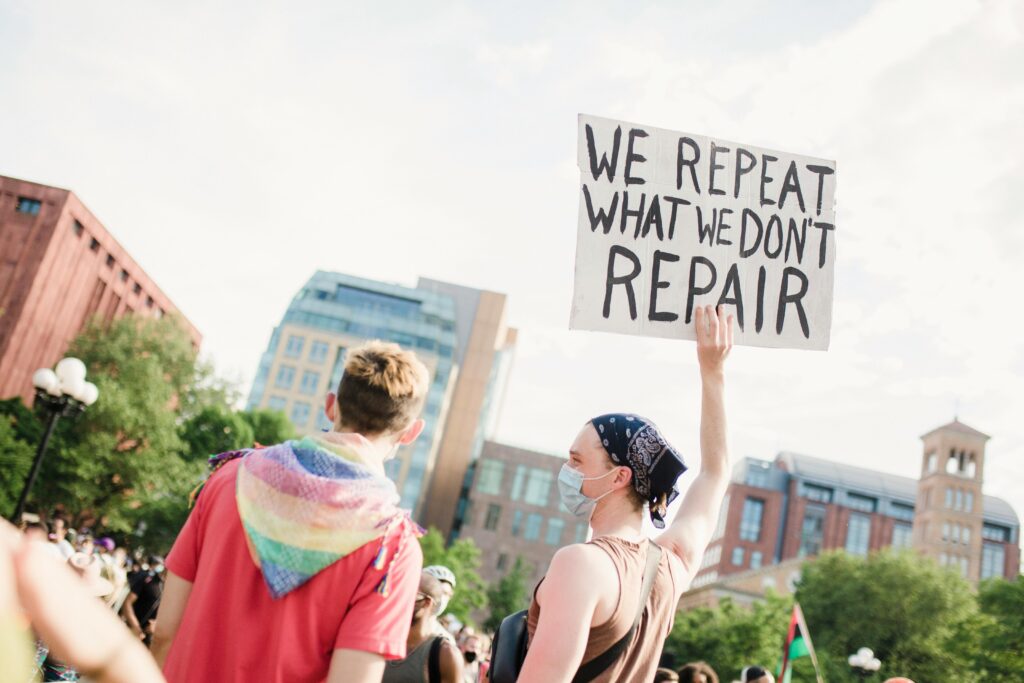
x=635, y=442
x=306, y=504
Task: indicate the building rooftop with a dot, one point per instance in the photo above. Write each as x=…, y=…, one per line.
x=860, y=479
x=958, y=426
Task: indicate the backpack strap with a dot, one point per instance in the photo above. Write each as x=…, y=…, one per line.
x=598, y=664
x=434, y=660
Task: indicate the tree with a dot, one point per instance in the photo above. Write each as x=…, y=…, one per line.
x=214, y=429
x=15, y=461
x=120, y=461
x=269, y=426
x=1000, y=655
x=729, y=636
x=463, y=558
x=916, y=616
x=509, y=595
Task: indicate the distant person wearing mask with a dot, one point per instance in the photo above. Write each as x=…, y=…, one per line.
x=431, y=658
x=472, y=655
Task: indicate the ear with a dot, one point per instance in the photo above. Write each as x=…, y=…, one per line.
x=411, y=432
x=624, y=477
x=331, y=407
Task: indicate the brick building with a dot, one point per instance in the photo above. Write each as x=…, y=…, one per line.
x=777, y=513
x=58, y=267
x=515, y=510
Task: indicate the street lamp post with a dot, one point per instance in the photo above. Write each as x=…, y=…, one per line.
x=61, y=393
x=864, y=663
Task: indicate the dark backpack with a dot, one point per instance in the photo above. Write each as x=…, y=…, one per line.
x=508, y=648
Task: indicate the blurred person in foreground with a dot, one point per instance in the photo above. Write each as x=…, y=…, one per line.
x=40, y=591
x=296, y=564
x=697, y=672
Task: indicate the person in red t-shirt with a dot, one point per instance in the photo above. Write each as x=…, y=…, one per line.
x=296, y=565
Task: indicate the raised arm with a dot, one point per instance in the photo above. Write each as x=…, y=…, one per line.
x=689, y=534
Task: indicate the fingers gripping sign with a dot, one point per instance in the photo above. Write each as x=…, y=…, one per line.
x=714, y=332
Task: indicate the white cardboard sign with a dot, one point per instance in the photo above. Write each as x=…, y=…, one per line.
x=669, y=221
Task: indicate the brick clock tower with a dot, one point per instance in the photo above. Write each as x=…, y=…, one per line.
x=948, y=511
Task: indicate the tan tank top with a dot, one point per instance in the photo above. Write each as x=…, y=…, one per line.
x=639, y=660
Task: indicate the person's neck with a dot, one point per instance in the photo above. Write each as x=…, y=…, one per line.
x=379, y=450
x=616, y=516
x=420, y=630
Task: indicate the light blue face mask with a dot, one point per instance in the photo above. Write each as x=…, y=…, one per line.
x=570, y=489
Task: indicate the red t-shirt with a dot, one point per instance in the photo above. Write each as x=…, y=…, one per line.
x=232, y=630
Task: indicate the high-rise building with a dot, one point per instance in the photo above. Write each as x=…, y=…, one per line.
x=58, y=267
x=514, y=510
x=776, y=514
x=451, y=329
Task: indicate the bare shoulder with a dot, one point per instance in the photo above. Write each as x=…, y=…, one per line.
x=579, y=564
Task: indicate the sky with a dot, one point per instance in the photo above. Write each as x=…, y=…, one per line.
x=234, y=148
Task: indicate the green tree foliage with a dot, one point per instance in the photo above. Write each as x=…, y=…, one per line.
x=269, y=426
x=1000, y=655
x=730, y=637
x=463, y=558
x=509, y=595
x=15, y=460
x=917, y=617
x=213, y=429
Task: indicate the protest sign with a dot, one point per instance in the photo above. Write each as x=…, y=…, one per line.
x=670, y=221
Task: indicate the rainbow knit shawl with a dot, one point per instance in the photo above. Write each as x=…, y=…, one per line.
x=306, y=504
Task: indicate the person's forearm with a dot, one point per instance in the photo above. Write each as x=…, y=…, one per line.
x=159, y=647
x=714, y=452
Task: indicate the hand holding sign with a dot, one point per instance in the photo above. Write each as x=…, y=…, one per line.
x=714, y=338
x=669, y=222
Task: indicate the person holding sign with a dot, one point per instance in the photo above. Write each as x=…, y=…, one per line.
x=605, y=607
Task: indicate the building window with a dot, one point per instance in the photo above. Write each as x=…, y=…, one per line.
x=276, y=403
x=137, y=288
x=489, y=479
x=502, y=562
x=963, y=567
x=582, y=529
x=969, y=502
x=965, y=535
x=755, y=559
x=820, y=494
x=517, y=522
x=813, y=530
x=29, y=206
x=862, y=503
x=933, y=462
x=949, y=498
x=902, y=511
x=758, y=474
x=994, y=532
x=858, y=534
x=993, y=559
x=294, y=346
x=959, y=505
x=110, y=261
x=149, y=302
x=517, y=482
x=493, y=516
x=300, y=413
x=534, y=521
x=902, y=535
x=285, y=377
x=538, y=486
x=945, y=532
x=750, y=524
x=124, y=275
x=94, y=244
x=318, y=352
x=78, y=228
x=737, y=557
x=310, y=382
x=555, y=527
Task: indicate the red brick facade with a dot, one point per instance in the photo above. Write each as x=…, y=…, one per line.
x=58, y=267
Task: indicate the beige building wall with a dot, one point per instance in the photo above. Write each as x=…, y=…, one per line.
x=300, y=396
x=949, y=513
x=487, y=336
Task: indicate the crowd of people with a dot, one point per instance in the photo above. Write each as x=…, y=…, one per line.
x=297, y=565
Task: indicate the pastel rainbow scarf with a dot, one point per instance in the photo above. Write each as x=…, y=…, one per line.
x=306, y=504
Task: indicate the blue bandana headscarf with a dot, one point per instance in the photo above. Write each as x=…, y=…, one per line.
x=634, y=442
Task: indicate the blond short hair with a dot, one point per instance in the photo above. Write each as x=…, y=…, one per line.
x=382, y=389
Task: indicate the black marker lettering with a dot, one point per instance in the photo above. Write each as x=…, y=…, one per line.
x=632, y=156
x=765, y=178
x=732, y=282
x=715, y=150
x=604, y=166
x=693, y=291
x=681, y=161
x=603, y=218
x=656, y=284
x=791, y=183
x=742, y=170
x=626, y=280
x=746, y=252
